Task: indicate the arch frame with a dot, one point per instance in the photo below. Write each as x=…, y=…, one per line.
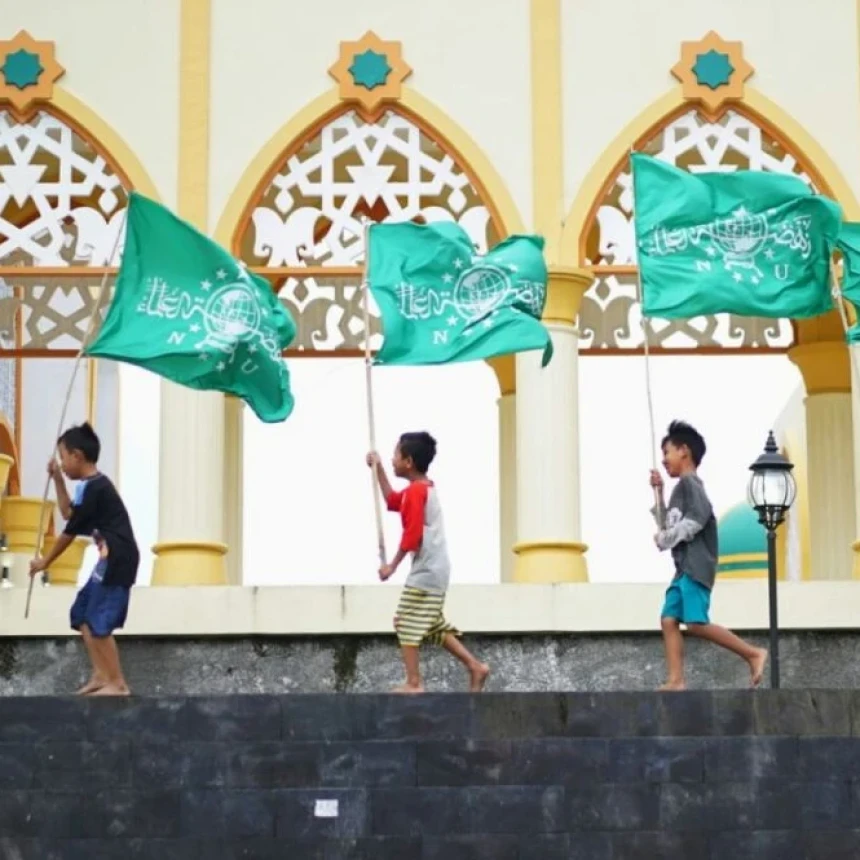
x=773, y=118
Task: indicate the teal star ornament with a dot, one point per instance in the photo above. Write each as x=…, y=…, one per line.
x=369, y=70
x=713, y=70
x=22, y=69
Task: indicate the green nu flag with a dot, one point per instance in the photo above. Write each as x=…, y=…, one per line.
x=441, y=303
x=748, y=243
x=849, y=243
x=186, y=310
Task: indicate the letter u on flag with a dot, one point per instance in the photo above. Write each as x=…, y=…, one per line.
x=748, y=243
x=441, y=303
x=187, y=310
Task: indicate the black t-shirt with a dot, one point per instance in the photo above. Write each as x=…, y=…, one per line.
x=98, y=507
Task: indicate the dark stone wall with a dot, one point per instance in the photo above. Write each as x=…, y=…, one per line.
x=371, y=664
x=611, y=776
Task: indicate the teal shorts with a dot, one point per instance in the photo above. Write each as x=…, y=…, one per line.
x=687, y=601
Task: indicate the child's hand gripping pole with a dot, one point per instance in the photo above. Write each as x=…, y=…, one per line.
x=368, y=379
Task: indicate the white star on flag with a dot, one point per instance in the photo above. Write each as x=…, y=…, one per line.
x=453, y=320
x=755, y=279
x=194, y=328
x=488, y=323
x=769, y=253
x=221, y=274
x=206, y=285
x=204, y=357
x=711, y=251
x=513, y=267
x=220, y=365
x=447, y=277
x=252, y=347
x=738, y=276
x=458, y=263
x=740, y=212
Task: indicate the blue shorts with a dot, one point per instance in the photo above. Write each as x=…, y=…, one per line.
x=103, y=608
x=687, y=601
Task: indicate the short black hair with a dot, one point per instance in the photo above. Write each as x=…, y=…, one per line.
x=680, y=433
x=82, y=438
x=420, y=448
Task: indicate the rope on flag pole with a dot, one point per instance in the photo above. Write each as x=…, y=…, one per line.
x=100, y=295
x=368, y=378
x=658, y=496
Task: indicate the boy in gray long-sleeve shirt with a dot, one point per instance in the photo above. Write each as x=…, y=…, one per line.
x=689, y=529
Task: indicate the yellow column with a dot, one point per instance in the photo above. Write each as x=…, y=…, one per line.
x=549, y=546
x=190, y=548
x=505, y=369
x=825, y=367
x=234, y=413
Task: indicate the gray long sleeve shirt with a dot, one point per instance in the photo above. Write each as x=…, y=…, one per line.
x=689, y=529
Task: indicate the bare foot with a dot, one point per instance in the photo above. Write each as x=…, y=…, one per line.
x=409, y=689
x=672, y=687
x=91, y=686
x=478, y=677
x=757, y=665
x=113, y=690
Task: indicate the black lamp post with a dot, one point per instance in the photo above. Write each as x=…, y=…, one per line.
x=771, y=493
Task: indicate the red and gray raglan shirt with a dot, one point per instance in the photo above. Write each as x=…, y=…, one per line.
x=423, y=535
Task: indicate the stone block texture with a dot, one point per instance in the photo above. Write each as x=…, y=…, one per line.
x=579, y=776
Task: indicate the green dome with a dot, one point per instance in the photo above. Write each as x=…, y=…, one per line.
x=743, y=542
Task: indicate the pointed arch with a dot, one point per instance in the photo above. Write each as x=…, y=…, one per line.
x=754, y=134
x=294, y=215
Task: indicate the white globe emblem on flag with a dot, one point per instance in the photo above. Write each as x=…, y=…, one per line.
x=742, y=236
x=232, y=313
x=481, y=290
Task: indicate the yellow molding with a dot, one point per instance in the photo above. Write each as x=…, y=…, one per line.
x=803, y=142
x=194, y=97
x=565, y=288
x=547, y=133
x=474, y=158
x=824, y=366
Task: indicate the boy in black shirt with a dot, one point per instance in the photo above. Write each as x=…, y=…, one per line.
x=101, y=606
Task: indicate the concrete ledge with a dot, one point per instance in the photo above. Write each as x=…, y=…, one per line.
x=510, y=608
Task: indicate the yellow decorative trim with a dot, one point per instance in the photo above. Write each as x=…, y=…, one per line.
x=327, y=103
x=20, y=522
x=740, y=557
x=825, y=367
x=855, y=573
x=565, y=289
x=505, y=368
x=23, y=103
x=547, y=133
x=109, y=140
x=550, y=561
x=64, y=571
x=189, y=563
x=711, y=100
x=194, y=70
x=370, y=102
x=6, y=464
x=591, y=186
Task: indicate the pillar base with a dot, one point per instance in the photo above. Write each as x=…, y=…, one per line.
x=556, y=561
x=20, y=522
x=190, y=563
x=65, y=570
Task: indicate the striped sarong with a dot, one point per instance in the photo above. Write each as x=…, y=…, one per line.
x=420, y=619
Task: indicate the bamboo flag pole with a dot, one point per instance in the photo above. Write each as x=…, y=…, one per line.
x=61, y=424
x=368, y=379
x=658, y=496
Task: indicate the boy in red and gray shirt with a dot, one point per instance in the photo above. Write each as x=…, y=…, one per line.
x=419, y=616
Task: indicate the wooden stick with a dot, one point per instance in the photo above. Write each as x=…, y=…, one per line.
x=368, y=379
x=78, y=358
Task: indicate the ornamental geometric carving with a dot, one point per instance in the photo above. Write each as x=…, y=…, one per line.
x=305, y=231
x=61, y=207
x=610, y=316
x=28, y=71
